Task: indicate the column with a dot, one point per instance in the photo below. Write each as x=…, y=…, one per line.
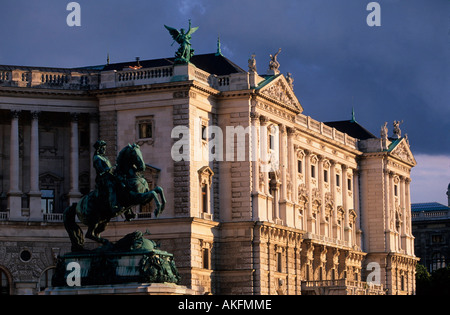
x=74, y=194
x=282, y=206
x=291, y=162
x=410, y=248
x=259, y=200
x=402, y=204
x=323, y=229
x=332, y=181
x=392, y=218
x=283, y=162
x=387, y=189
x=93, y=137
x=35, y=193
x=344, y=188
x=402, y=231
x=255, y=154
x=356, y=206
x=14, y=194
x=320, y=186
x=264, y=156
x=309, y=217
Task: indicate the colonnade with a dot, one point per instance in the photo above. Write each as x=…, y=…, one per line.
x=15, y=192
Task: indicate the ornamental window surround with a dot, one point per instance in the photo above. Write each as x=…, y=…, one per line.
x=205, y=184
x=145, y=130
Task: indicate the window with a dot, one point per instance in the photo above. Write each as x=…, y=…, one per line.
x=45, y=280
x=437, y=239
x=396, y=190
x=205, y=184
x=145, y=130
x=272, y=142
x=205, y=198
x=313, y=171
x=25, y=255
x=338, y=180
x=47, y=200
x=349, y=184
x=438, y=261
x=84, y=139
x=299, y=167
x=206, y=258
x=325, y=176
x=279, y=262
x=204, y=133
x=4, y=283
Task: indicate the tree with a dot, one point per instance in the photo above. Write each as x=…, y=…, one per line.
x=423, y=280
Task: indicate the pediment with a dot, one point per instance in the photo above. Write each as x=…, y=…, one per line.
x=403, y=152
x=279, y=90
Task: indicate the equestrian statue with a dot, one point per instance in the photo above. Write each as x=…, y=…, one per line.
x=117, y=190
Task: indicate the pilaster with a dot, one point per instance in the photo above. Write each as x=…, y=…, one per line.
x=35, y=193
x=15, y=193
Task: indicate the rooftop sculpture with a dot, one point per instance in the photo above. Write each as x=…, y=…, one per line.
x=185, y=52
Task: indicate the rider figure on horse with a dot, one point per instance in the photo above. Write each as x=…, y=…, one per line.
x=105, y=179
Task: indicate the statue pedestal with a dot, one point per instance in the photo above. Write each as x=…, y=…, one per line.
x=122, y=289
x=133, y=265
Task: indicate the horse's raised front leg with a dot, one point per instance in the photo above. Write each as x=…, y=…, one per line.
x=160, y=192
x=159, y=208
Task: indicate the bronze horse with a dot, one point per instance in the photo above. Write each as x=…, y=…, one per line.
x=131, y=190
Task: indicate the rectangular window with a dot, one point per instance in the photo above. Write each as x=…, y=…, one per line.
x=395, y=190
x=205, y=198
x=204, y=133
x=47, y=200
x=338, y=180
x=299, y=167
x=272, y=142
x=437, y=239
x=279, y=262
x=313, y=171
x=325, y=176
x=145, y=127
x=349, y=184
x=206, y=260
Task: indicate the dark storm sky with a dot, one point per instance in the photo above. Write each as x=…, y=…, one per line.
x=398, y=71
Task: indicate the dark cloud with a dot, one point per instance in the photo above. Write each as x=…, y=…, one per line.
x=399, y=71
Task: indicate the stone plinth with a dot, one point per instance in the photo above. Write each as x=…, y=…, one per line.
x=122, y=289
x=133, y=259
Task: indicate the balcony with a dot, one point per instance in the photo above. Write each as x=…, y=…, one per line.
x=341, y=287
x=333, y=242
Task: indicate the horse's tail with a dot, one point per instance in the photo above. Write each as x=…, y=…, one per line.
x=72, y=228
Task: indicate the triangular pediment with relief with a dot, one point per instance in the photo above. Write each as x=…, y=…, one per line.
x=278, y=89
x=403, y=152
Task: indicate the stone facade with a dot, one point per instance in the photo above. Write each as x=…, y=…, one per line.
x=430, y=226
x=288, y=204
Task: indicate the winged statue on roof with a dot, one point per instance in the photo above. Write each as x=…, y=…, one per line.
x=183, y=37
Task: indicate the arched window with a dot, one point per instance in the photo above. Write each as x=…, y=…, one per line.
x=45, y=280
x=437, y=261
x=4, y=283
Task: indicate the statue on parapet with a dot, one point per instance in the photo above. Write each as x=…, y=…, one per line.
x=185, y=52
x=252, y=64
x=397, y=130
x=274, y=65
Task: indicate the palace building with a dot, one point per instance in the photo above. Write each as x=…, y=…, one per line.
x=327, y=213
